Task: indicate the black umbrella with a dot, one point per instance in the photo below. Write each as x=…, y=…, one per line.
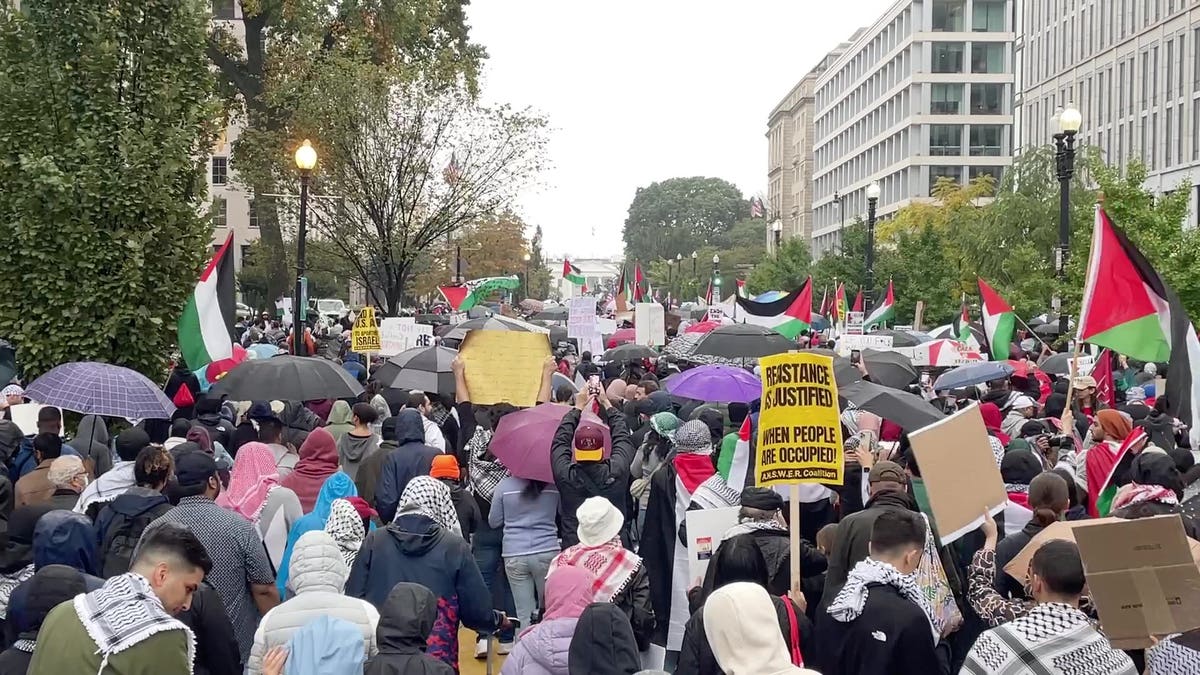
x=891, y=369
x=552, y=314
x=909, y=411
x=489, y=323
x=629, y=352
x=899, y=338
x=1047, y=329
x=424, y=368
x=744, y=341
x=683, y=348
x=1057, y=364
x=287, y=378
x=844, y=372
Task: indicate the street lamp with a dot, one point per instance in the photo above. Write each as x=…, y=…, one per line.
x=670, y=269
x=716, y=278
x=526, y=258
x=1065, y=124
x=872, y=200
x=777, y=228
x=306, y=160
x=679, y=275
x=695, y=278
x=838, y=203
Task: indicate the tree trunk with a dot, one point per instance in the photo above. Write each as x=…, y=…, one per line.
x=279, y=277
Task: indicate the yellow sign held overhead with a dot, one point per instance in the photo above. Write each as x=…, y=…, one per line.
x=364, y=337
x=799, y=432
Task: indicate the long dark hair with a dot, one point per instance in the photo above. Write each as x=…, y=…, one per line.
x=533, y=489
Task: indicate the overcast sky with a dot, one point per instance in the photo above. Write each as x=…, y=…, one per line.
x=643, y=90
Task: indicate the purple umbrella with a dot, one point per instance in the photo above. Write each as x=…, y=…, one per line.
x=101, y=389
x=716, y=384
x=522, y=442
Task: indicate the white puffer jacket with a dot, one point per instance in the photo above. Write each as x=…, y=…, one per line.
x=317, y=578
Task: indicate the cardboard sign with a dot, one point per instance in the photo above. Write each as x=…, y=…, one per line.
x=364, y=337
x=947, y=451
x=1142, y=578
x=504, y=366
x=851, y=342
x=854, y=322
x=581, y=317
x=1018, y=567
x=705, y=528
x=799, y=432
x=397, y=334
x=650, y=324
x=715, y=314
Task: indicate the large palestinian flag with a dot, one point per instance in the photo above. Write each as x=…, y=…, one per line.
x=789, y=315
x=1128, y=308
x=572, y=274
x=884, y=311
x=999, y=321
x=462, y=298
x=206, y=326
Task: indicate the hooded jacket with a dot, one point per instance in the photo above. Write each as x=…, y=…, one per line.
x=737, y=618
x=353, y=449
x=405, y=622
x=415, y=549
x=608, y=478
x=91, y=442
x=65, y=538
x=325, y=646
x=603, y=643
x=297, y=422
x=318, y=461
x=318, y=575
x=340, y=419
x=544, y=647
x=410, y=459
x=696, y=655
x=219, y=429
x=336, y=486
x=121, y=523
x=50, y=586
x=369, y=470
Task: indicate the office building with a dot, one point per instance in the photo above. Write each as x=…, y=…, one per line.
x=924, y=92
x=1131, y=67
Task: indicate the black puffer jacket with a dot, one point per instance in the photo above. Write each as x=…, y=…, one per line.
x=405, y=621
x=608, y=478
x=776, y=549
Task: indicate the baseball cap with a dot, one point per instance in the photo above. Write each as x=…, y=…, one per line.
x=444, y=466
x=887, y=471
x=194, y=468
x=1085, y=382
x=589, y=443
x=1021, y=402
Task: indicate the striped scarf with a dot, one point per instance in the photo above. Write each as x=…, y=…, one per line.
x=124, y=612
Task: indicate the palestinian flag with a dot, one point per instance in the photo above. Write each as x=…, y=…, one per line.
x=735, y=466
x=789, y=315
x=621, y=295
x=824, y=311
x=205, y=328
x=1128, y=308
x=858, y=302
x=572, y=274
x=962, y=324
x=639, y=284
x=885, y=311
x=839, y=304
x=741, y=287
x=462, y=298
x=1102, y=462
x=999, y=321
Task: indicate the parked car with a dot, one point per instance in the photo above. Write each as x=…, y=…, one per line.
x=333, y=308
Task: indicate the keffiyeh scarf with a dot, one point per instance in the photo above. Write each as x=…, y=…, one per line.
x=254, y=476
x=1136, y=494
x=9, y=583
x=1054, y=639
x=110, y=485
x=430, y=498
x=849, y=603
x=611, y=565
x=715, y=493
x=345, y=525
x=748, y=526
x=124, y=612
x=485, y=474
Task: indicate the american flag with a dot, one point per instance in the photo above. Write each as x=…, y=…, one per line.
x=453, y=172
x=756, y=208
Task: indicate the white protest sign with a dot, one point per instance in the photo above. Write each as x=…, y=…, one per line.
x=851, y=341
x=902, y=327
x=399, y=334
x=715, y=314
x=606, y=326
x=854, y=322
x=581, y=317
x=650, y=324
x=704, y=531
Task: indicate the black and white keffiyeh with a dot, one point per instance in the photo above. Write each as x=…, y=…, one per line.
x=1170, y=658
x=849, y=603
x=715, y=493
x=747, y=526
x=485, y=474
x=124, y=612
x=345, y=525
x=1054, y=639
x=431, y=498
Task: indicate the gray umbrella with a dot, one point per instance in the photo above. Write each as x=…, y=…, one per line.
x=287, y=378
x=629, y=352
x=424, y=368
x=744, y=341
x=488, y=323
x=900, y=338
x=891, y=369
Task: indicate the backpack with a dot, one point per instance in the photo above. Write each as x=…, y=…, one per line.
x=119, y=534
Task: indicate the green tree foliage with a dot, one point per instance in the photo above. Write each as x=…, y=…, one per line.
x=847, y=264
x=785, y=272
x=327, y=278
x=539, y=276
x=105, y=109
x=680, y=215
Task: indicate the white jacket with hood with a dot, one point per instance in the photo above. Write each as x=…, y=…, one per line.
x=317, y=579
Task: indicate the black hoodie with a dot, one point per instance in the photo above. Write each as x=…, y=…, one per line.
x=854, y=537
x=411, y=459
x=405, y=621
x=603, y=643
x=121, y=523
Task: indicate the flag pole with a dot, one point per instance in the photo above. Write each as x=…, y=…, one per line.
x=1078, y=342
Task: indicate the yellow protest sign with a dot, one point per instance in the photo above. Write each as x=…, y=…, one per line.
x=799, y=433
x=364, y=336
x=504, y=366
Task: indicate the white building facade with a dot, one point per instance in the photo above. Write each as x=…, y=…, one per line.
x=924, y=92
x=1132, y=68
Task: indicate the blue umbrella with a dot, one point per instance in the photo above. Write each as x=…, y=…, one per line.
x=819, y=323
x=769, y=296
x=101, y=389
x=263, y=350
x=973, y=373
x=717, y=383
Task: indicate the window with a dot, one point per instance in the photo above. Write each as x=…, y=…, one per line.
x=222, y=9
x=1145, y=81
x=1195, y=129
x=1168, y=149
x=220, y=170
x=987, y=99
x=987, y=57
x=948, y=15
x=1154, y=75
x=1170, y=67
x=219, y=212
x=245, y=254
x=954, y=173
x=988, y=16
x=945, y=140
x=946, y=99
x=251, y=213
x=986, y=140
x=947, y=57
x=993, y=171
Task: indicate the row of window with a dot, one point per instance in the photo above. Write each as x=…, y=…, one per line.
x=986, y=57
x=986, y=15
x=986, y=140
x=946, y=98
x=867, y=58
x=220, y=212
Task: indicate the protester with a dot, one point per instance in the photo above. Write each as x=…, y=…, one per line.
x=69, y=476
x=49, y=421
x=445, y=468
x=1054, y=636
x=367, y=474
x=412, y=458
x=1135, y=404
x=442, y=413
x=405, y=623
x=761, y=516
x=992, y=420
x=297, y=421
x=359, y=442
x=580, y=469
x=418, y=401
x=733, y=620
x=270, y=431
x=880, y=598
x=526, y=510
x=318, y=461
x=543, y=649
x=16, y=560
x=1047, y=501
x=585, y=369
x=603, y=643
x=1155, y=489
x=113, y=483
x=127, y=625
x=619, y=575
x=337, y=486
x=1020, y=410
x=1160, y=425
x=421, y=546
x=341, y=419
x=317, y=580
x=64, y=537
x=35, y=486
x=49, y=587
x=655, y=448
x=1018, y=468
x=179, y=432
x=203, y=438
x=91, y=444
x=324, y=646
x=208, y=415
x=122, y=521
x=348, y=530
x=1107, y=462
x=242, y=572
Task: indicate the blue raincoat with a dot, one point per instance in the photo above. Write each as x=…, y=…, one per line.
x=337, y=486
x=326, y=646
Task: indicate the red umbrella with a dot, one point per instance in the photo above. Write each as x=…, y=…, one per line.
x=522, y=442
x=621, y=337
x=702, y=327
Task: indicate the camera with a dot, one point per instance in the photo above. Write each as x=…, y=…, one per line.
x=1056, y=441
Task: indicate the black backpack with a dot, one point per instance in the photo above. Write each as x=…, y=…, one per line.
x=119, y=536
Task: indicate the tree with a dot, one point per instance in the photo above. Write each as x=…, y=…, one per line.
x=327, y=278
x=266, y=75
x=413, y=162
x=786, y=271
x=493, y=247
x=680, y=215
x=845, y=265
x=538, y=284
x=103, y=114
